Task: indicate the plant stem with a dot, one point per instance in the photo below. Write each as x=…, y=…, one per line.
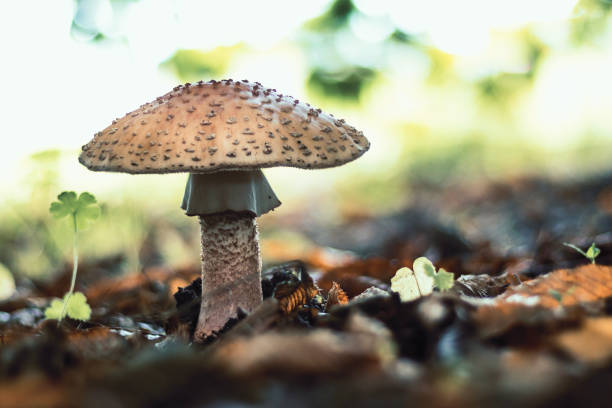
x=575, y=248
x=75, y=264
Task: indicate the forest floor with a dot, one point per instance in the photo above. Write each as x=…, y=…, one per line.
x=528, y=321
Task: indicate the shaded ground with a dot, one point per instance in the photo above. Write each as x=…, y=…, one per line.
x=528, y=322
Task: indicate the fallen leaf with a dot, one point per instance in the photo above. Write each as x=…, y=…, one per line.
x=535, y=300
x=336, y=296
x=591, y=343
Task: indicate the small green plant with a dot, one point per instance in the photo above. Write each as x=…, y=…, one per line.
x=421, y=280
x=591, y=253
x=558, y=296
x=82, y=211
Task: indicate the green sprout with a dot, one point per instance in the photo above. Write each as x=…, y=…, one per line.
x=420, y=280
x=558, y=296
x=82, y=212
x=591, y=253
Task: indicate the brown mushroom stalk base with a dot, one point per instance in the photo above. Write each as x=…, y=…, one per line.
x=227, y=204
x=231, y=269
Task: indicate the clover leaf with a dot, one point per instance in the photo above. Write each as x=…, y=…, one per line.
x=409, y=285
x=420, y=281
x=83, y=209
x=444, y=280
x=73, y=305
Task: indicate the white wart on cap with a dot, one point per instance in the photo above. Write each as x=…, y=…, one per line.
x=222, y=125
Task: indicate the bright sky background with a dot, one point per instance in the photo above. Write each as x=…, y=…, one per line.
x=58, y=91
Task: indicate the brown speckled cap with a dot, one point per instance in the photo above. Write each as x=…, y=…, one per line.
x=222, y=125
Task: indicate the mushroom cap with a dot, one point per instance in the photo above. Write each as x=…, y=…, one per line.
x=222, y=125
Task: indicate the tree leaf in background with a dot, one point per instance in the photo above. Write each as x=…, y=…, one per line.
x=346, y=82
x=194, y=65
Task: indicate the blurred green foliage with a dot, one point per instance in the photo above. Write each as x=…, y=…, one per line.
x=591, y=20
x=195, y=65
x=34, y=246
x=347, y=83
x=336, y=16
x=7, y=283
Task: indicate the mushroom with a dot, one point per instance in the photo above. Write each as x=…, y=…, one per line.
x=223, y=133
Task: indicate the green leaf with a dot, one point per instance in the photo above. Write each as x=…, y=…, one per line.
x=409, y=286
x=593, y=252
x=83, y=208
x=424, y=265
x=413, y=284
x=444, y=280
x=556, y=295
x=58, y=210
x=76, y=308
x=86, y=198
x=86, y=215
x=54, y=310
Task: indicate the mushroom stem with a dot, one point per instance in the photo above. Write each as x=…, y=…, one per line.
x=231, y=269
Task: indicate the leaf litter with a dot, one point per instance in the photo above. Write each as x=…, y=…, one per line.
x=526, y=320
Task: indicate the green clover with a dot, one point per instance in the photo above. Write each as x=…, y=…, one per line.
x=74, y=306
x=420, y=280
x=83, y=210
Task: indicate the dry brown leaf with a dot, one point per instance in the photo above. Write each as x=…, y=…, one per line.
x=583, y=285
x=356, y=277
x=34, y=391
x=591, y=343
x=336, y=296
x=317, y=352
x=97, y=292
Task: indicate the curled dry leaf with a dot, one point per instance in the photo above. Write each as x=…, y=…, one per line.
x=336, y=296
x=292, y=298
x=295, y=292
